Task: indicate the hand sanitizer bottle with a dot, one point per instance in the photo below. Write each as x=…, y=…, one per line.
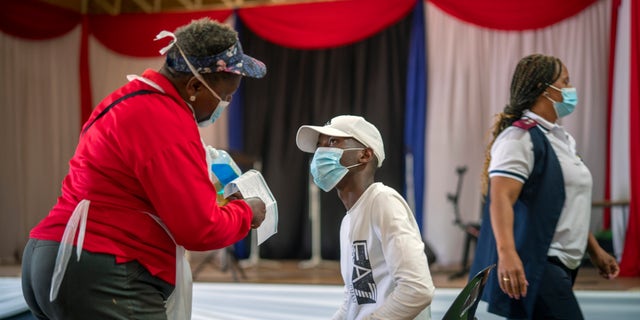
x=224, y=170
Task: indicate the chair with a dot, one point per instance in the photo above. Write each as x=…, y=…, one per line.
x=471, y=229
x=465, y=304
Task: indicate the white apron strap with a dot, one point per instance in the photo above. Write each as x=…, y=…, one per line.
x=64, y=251
x=179, y=302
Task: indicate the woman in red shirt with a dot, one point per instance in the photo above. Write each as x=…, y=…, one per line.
x=138, y=190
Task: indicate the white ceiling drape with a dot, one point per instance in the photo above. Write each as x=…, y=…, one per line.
x=620, y=188
x=39, y=121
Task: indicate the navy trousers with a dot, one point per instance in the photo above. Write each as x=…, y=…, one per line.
x=556, y=300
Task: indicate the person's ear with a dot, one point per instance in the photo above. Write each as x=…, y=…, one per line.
x=193, y=86
x=367, y=155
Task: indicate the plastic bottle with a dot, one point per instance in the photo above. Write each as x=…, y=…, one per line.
x=224, y=170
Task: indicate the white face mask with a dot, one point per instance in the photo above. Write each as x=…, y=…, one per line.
x=223, y=104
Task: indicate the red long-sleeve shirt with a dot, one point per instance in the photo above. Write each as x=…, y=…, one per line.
x=145, y=155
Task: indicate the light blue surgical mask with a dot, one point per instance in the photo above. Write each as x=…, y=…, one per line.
x=215, y=114
x=326, y=168
x=568, y=103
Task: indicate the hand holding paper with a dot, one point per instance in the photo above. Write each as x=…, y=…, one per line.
x=259, y=211
x=252, y=184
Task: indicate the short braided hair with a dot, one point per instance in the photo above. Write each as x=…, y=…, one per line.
x=532, y=76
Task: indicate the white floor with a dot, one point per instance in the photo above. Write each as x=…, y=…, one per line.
x=239, y=301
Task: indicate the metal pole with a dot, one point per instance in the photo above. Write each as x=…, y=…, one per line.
x=314, y=216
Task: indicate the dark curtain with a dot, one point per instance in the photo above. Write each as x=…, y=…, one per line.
x=367, y=78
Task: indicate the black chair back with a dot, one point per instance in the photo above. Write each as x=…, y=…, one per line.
x=465, y=304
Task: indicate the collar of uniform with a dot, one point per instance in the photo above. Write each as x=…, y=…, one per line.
x=546, y=126
x=542, y=122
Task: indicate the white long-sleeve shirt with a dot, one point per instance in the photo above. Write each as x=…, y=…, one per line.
x=382, y=260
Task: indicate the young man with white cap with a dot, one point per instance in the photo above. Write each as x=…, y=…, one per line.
x=382, y=257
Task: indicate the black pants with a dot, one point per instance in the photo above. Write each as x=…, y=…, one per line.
x=96, y=287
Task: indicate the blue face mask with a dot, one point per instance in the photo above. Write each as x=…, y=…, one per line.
x=217, y=112
x=326, y=168
x=569, y=101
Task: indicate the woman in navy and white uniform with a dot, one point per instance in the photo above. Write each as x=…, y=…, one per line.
x=538, y=206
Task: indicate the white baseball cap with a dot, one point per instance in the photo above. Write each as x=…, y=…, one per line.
x=345, y=127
